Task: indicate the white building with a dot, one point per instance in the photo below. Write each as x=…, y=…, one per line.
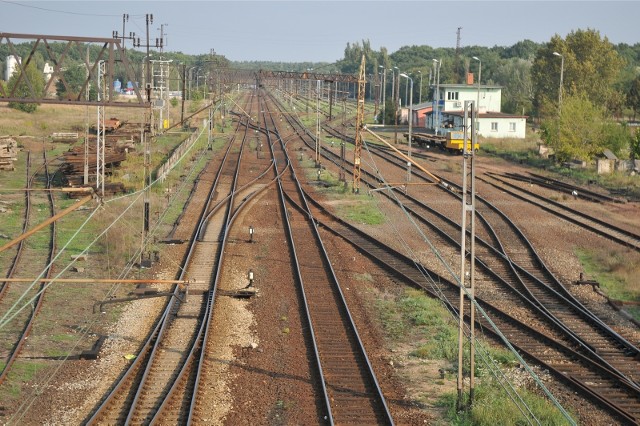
x=48, y=71
x=492, y=123
x=10, y=66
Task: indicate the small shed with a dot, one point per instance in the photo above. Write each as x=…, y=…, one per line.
x=606, y=162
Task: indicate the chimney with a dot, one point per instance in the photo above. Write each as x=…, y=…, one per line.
x=470, y=78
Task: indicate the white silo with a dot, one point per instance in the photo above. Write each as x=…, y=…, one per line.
x=12, y=62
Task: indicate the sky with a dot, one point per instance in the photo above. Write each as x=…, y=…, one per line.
x=318, y=31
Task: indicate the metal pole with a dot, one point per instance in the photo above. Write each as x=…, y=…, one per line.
x=561, y=77
x=468, y=170
x=384, y=95
x=410, y=125
x=477, y=106
x=471, y=154
x=463, y=259
x=184, y=79
x=395, y=104
x=420, y=95
x=406, y=93
x=318, y=123
x=393, y=84
x=438, y=99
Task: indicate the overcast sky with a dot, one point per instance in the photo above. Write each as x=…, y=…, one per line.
x=297, y=31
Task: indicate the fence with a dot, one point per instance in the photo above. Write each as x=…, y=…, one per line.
x=176, y=155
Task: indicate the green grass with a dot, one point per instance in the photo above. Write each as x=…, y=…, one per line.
x=363, y=277
x=615, y=273
x=412, y=318
x=516, y=151
x=21, y=371
x=362, y=210
x=491, y=406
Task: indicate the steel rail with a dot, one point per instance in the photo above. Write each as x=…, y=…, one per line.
x=607, y=232
x=381, y=409
x=38, y=302
x=629, y=386
x=152, y=340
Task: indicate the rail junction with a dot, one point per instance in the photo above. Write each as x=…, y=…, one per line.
x=319, y=362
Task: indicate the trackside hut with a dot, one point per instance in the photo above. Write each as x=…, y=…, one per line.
x=492, y=123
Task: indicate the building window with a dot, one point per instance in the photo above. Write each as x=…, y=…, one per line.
x=494, y=126
x=452, y=96
x=512, y=127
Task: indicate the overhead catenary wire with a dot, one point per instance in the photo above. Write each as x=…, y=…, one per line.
x=85, y=330
x=67, y=12
x=12, y=312
x=472, y=300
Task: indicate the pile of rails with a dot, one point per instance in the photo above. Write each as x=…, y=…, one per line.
x=8, y=153
x=120, y=139
x=73, y=162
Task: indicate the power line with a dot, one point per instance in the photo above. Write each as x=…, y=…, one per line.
x=64, y=11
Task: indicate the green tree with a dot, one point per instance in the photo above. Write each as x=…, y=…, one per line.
x=633, y=97
x=75, y=77
x=634, y=145
x=578, y=131
x=616, y=138
x=389, y=111
x=515, y=77
x=591, y=66
x=20, y=87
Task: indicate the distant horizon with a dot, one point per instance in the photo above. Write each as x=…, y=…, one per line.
x=319, y=31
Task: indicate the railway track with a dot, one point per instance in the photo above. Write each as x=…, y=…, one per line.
x=563, y=187
x=37, y=293
x=351, y=390
x=593, y=224
x=507, y=256
x=165, y=387
x=623, y=404
x=163, y=373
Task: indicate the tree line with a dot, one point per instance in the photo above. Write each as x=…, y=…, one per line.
x=601, y=80
x=580, y=119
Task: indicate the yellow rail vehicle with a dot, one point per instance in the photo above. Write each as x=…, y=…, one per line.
x=454, y=142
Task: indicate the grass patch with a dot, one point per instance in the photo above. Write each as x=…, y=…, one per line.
x=22, y=371
x=432, y=330
x=615, y=273
x=525, y=151
x=63, y=338
x=514, y=149
x=493, y=407
x=363, y=277
x=363, y=211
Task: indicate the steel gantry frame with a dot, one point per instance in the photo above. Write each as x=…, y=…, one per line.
x=111, y=53
x=100, y=72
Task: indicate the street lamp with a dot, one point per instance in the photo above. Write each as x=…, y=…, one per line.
x=395, y=107
x=406, y=93
x=479, y=76
x=561, y=76
x=437, y=95
x=381, y=94
x=410, y=109
x=393, y=84
x=420, y=95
